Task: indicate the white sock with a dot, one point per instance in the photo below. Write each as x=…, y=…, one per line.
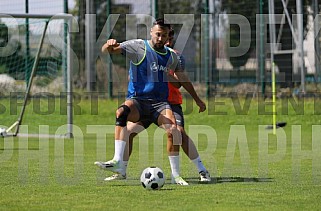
x=174, y=162
x=199, y=165
x=119, y=150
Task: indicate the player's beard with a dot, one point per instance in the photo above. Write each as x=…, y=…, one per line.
x=158, y=45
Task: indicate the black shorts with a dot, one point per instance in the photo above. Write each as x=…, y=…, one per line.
x=178, y=113
x=149, y=110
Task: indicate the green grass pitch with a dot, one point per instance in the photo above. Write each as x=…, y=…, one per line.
x=252, y=169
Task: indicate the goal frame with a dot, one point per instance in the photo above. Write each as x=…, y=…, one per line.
x=67, y=53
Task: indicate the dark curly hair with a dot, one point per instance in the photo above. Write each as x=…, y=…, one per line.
x=161, y=22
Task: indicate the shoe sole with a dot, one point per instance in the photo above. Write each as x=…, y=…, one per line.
x=98, y=164
x=204, y=182
x=118, y=179
x=173, y=182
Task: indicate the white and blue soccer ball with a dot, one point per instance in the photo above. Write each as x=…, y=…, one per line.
x=152, y=178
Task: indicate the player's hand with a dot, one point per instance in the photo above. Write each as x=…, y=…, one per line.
x=111, y=46
x=201, y=105
x=111, y=43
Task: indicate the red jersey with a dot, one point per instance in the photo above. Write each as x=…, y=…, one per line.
x=174, y=95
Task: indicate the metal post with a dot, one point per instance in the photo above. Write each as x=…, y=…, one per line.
x=69, y=84
x=300, y=42
x=213, y=50
x=31, y=77
x=27, y=75
x=272, y=30
x=68, y=72
x=90, y=40
x=206, y=48
x=109, y=61
x=64, y=59
x=316, y=40
x=65, y=6
x=154, y=8
x=261, y=52
x=272, y=46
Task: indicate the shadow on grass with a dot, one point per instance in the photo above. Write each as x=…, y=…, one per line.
x=217, y=180
x=16, y=149
x=191, y=181
x=130, y=182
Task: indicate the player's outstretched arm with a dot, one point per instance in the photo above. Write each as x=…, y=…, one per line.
x=112, y=47
x=179, y=64
x=174, y=81
x=188, y=86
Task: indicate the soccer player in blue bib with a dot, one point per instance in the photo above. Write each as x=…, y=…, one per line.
x=150, y=62
x=175, y=100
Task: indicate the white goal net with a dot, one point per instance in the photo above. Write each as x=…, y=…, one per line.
x=35, y=74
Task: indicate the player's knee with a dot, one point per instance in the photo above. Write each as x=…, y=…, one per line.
x=170, y=129
x=175, y=134
x=122, y=115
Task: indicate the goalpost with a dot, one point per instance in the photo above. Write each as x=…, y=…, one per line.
x=36, y=66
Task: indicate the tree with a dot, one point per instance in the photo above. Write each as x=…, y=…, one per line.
x=10, y=55
x=3, y=34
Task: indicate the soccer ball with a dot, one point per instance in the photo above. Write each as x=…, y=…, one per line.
x=3, y=132
x=152, y=178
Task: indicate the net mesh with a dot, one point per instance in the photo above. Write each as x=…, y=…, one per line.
x=18, y=55
x=19, y=42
